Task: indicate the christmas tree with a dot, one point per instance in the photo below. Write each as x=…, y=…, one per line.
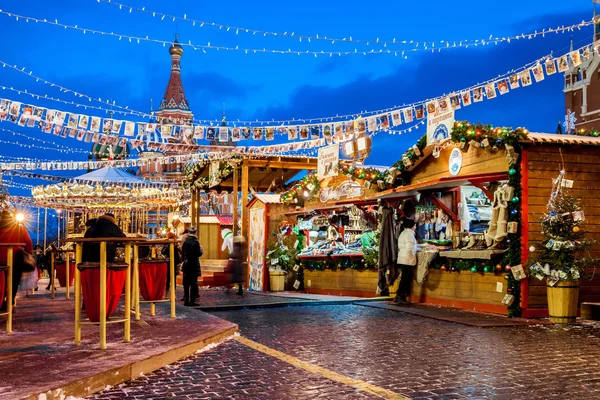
x=563, y=254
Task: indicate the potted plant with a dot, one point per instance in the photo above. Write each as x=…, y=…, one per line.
x=281, y=258
x=563, y=255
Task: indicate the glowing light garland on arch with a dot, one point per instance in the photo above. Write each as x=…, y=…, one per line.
x=350, y=39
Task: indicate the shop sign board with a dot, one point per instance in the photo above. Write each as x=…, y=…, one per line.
x=347, y=189
x=327, y=164
x=455, y=161
x=439, y=126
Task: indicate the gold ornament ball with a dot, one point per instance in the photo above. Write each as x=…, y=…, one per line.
x=498, y=267
x=575, y=229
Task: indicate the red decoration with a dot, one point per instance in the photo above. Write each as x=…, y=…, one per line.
x=90, y=284
x=2, y=285
x=61, y=273
x=507, y=268
x=153, y=279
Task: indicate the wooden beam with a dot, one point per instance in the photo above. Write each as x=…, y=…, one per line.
x=283, y=164
x=434, y=199
x=236, y=184
x=485, y=191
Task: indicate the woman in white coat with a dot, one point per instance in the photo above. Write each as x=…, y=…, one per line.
x=407, y=259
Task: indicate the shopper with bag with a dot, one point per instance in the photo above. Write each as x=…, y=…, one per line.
x=191, y=253
x=12, y=232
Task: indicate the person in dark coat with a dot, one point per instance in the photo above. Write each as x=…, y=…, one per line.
x=387, y=253
x=105, y=227
x=191, y=253
x=11, y=232
x=238, y=262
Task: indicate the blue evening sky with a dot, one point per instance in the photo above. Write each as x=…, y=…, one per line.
x=276, y=86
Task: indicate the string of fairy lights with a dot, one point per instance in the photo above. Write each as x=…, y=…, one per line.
x=209, y=46
x=416, y=44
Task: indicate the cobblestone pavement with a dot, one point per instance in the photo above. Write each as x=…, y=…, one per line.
x=414, y=356
x=215, y=297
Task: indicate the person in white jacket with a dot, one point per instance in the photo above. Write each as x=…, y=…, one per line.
x=407, y=259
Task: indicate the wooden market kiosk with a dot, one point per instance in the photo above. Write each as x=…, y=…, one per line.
x=336, y=266
x=247, y=176
x=480, y=278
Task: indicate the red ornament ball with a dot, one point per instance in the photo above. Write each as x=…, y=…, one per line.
x=443, y=268
x=507, y=268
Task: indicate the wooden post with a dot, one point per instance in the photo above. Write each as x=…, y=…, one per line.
x=9, y=289
x=245, y=188
x=78, y=256
x=136, y=282
x=52, y=256
x=236, y=185
x=172, y=277
x=127, y=328
x=102, y=295
x=67, y=274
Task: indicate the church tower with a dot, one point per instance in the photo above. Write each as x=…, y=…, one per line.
x=582, y=87
x=174, y=108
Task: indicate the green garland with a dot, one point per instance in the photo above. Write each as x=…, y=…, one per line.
x=193, y=180
x=334, y=265
x=412, y=155
x=369, y=174
x=308, y=187
x=497, y=138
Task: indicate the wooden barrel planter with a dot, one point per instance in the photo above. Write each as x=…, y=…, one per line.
x=153, y=279
x=277, y=280
x=562, y=302
x=90, y=285
x=61, y=273
x=3, y=275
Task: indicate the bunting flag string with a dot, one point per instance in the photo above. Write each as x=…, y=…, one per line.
x=157, y=137
x=209, y=46
x=424, y=45
x=200, y=133
x=223, y=154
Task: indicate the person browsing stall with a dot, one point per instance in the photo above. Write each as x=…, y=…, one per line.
x=407, y=259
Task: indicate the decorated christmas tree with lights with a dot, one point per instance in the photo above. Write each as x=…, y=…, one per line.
x=564, y=250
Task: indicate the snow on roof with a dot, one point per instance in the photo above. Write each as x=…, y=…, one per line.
x=269, y=198
x=563, y=139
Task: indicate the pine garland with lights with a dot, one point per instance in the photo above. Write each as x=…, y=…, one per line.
x=193, y=180
x=307, y=187
x=497, y=137
x=411, y=155
x=369, y=174
x=334, y=265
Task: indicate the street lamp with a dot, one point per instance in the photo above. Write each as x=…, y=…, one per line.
x=20, y=217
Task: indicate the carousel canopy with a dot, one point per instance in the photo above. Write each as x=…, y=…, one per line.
x=112, y=175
